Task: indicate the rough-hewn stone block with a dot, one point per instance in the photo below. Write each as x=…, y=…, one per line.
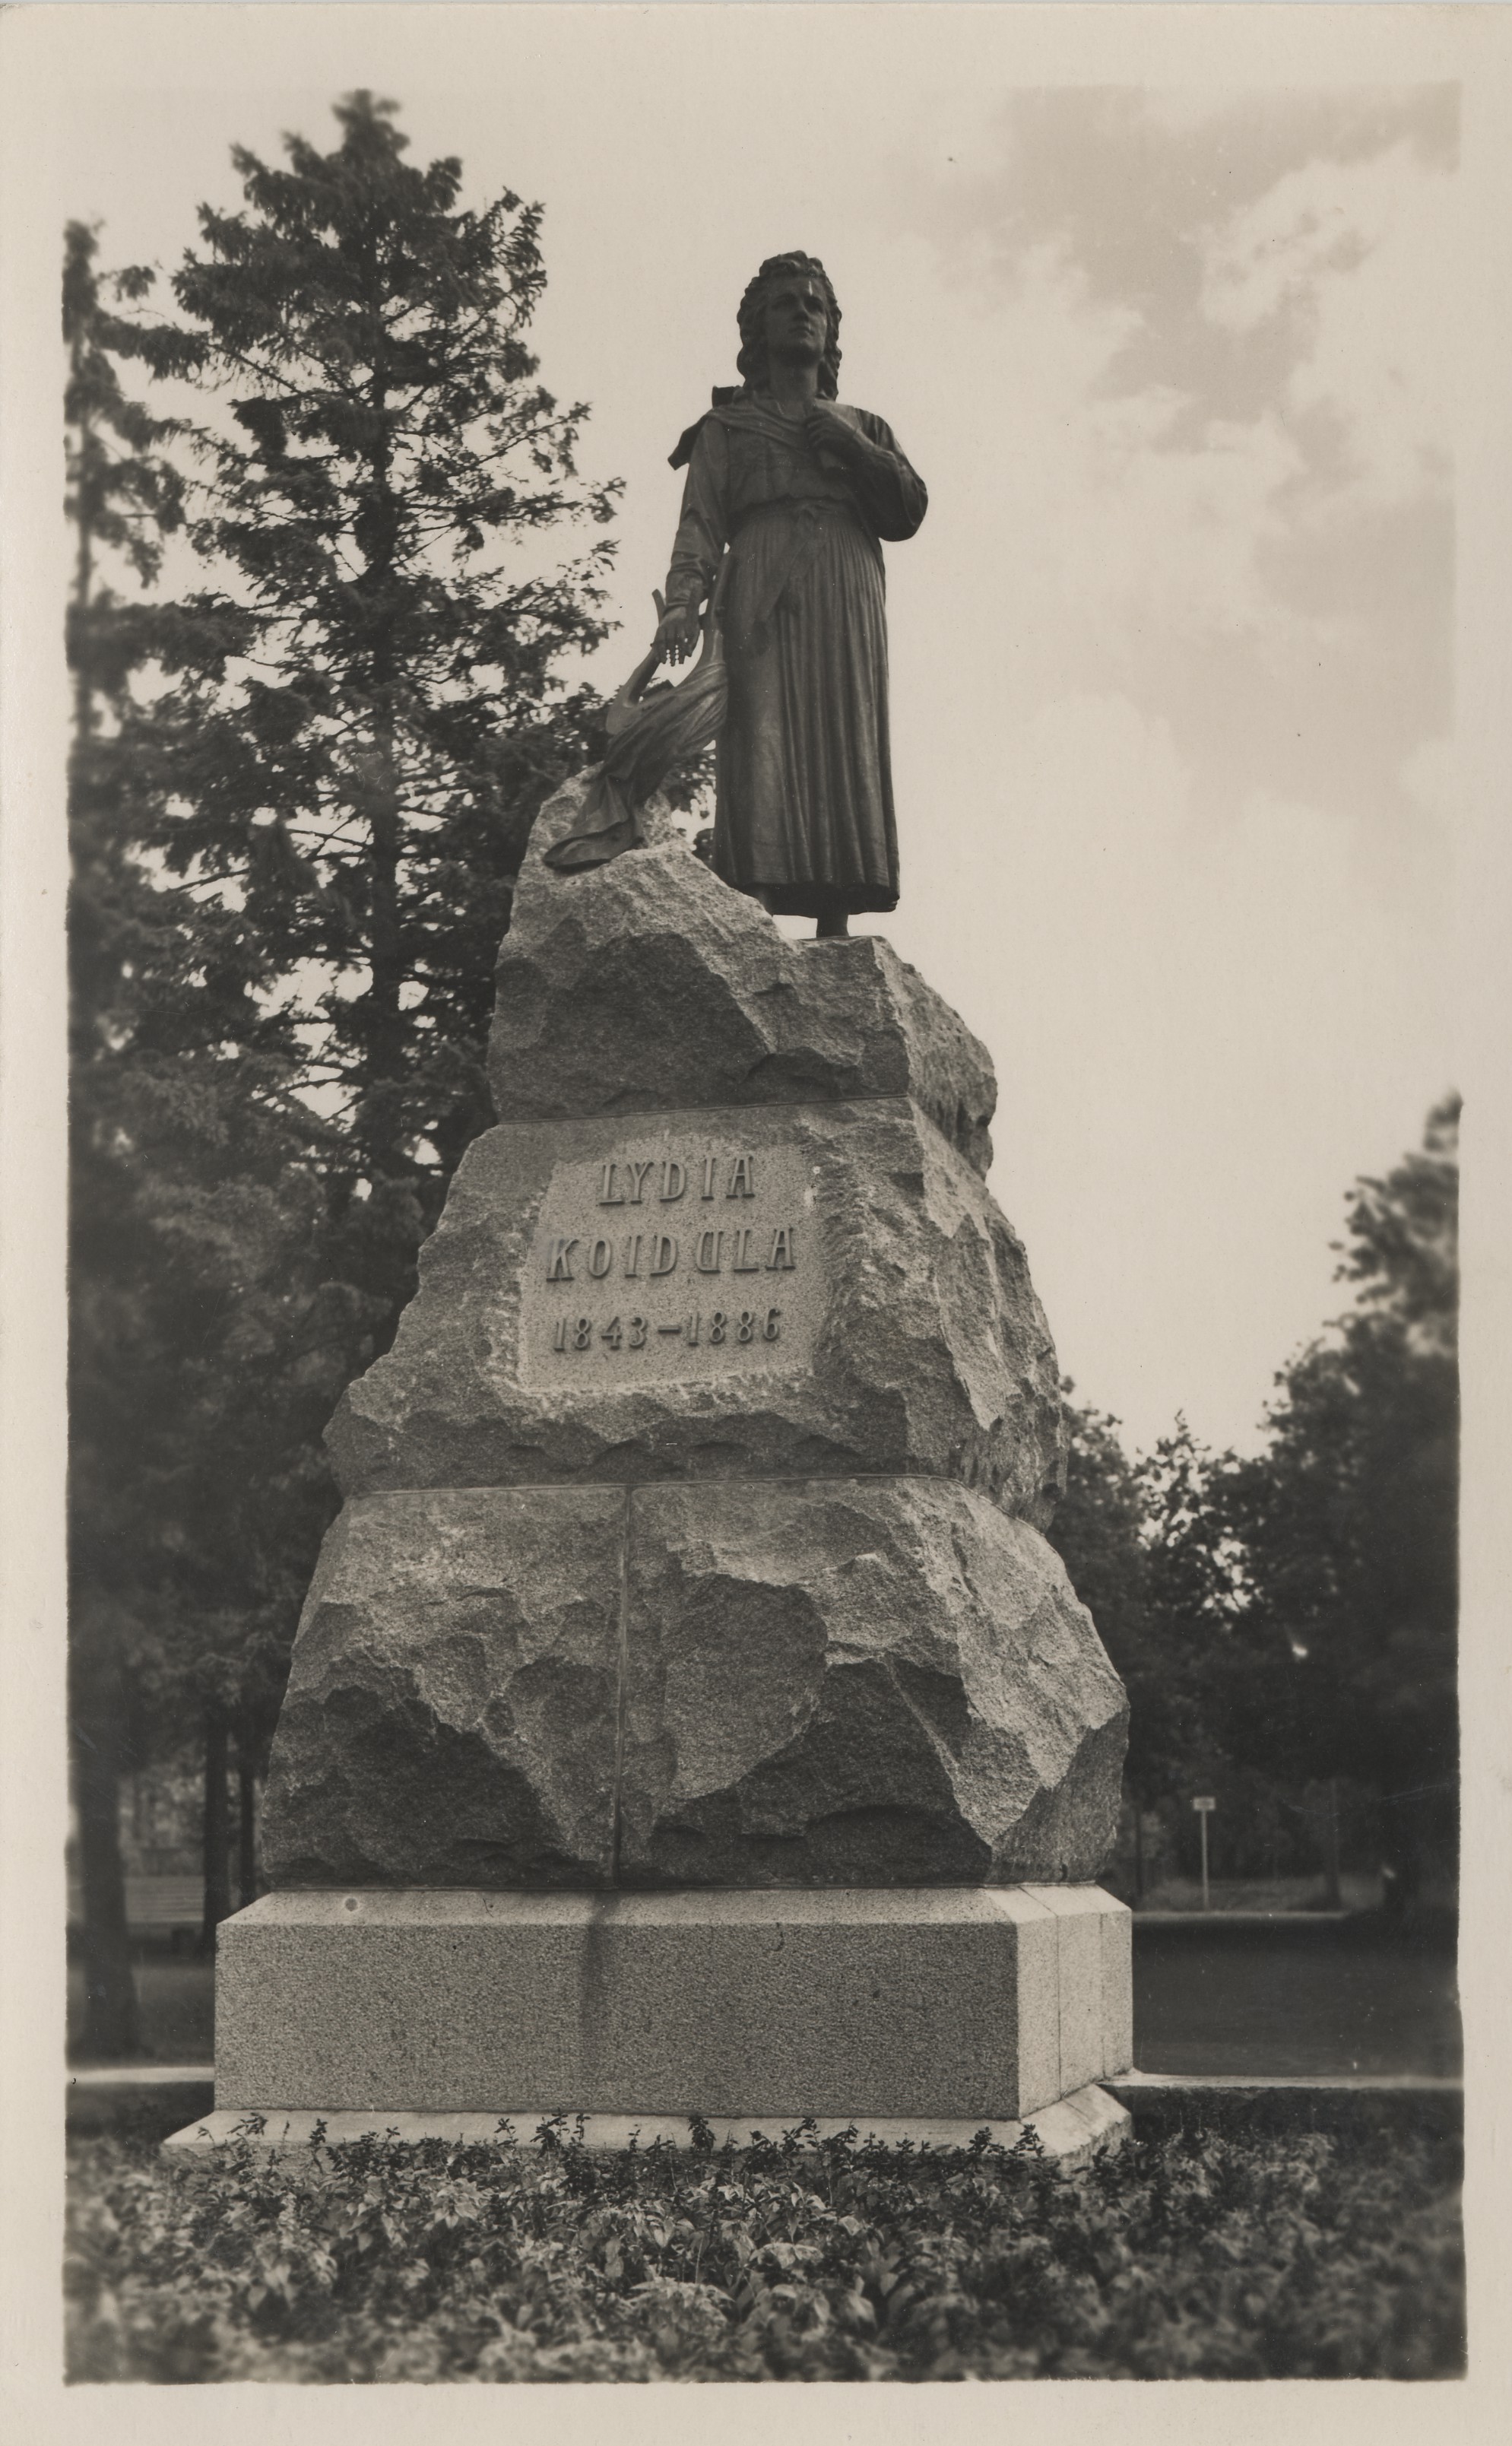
x=845, y=1681
x=450, y=1717
x=905, y=1333
x=859, y=1681
x=647, y=984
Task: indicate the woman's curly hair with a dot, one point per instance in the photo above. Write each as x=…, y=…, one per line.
x=752, y=361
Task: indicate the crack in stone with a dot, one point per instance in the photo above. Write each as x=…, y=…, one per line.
x=620, y=1696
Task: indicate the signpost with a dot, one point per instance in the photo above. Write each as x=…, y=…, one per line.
x=1205, y=1804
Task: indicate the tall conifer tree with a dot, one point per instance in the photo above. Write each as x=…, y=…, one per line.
x=364, y=712
x=123, y=495
x=191, y=1308
x=314, y=814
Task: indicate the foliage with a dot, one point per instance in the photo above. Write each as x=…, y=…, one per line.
x=1149, y=1551
x=300, y=796
x=149, y=1242
x=204, y=1351
x=124, y=493
x=1348, y=1518
x=1098, y=1531
x=1194, y=2256
x=1290, y=1617
x=364, y=711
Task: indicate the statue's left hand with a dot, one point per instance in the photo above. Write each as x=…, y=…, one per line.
x=678, y=633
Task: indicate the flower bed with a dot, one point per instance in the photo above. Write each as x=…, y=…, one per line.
x=1196, y=2254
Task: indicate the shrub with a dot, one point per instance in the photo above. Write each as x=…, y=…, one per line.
x=1194, y=2256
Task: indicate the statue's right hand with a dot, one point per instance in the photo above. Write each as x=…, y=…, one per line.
x=678, y=633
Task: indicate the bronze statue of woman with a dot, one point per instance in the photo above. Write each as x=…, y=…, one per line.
x=800, y=493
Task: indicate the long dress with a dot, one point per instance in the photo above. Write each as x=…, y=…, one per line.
x=804, y=783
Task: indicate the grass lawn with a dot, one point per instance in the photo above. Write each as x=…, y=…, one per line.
x=1294, y=1996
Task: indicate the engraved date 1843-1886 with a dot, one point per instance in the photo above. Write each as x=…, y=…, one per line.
x=631, y=1334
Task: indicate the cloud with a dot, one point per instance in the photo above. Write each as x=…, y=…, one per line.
x=1175, y=535
x=1103, y=526
x=1352, y=260
x=1197, y=370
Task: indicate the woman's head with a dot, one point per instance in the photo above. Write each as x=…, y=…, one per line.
x=783, y=282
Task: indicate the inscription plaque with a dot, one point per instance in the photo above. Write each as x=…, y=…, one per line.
x=678, y=1256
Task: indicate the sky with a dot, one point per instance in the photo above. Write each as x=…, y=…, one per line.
x=1172, y=655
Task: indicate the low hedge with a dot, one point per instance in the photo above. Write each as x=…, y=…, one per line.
x=1195, y=2254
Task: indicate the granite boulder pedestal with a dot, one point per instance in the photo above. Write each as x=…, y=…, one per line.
x=689, y=1715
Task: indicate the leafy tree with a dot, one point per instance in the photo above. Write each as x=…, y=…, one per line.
x=1098, y=1531
x=1149, y=1551
x=1198, y=1598
x=1289, y=1619
x=1097, y=1526
x=1347, y=1518
x=1148, y=1548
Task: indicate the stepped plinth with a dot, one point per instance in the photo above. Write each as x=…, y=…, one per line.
x=689, y=1715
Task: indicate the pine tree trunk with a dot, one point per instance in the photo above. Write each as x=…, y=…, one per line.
x=1400, y=1864
x=216, y=1833
x=111, y=2028
x=385, y=1033
x=384, y=1047
x=247, y=1827
x=1332, y=1891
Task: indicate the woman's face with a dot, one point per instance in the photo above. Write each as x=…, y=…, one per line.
x=795, y=318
